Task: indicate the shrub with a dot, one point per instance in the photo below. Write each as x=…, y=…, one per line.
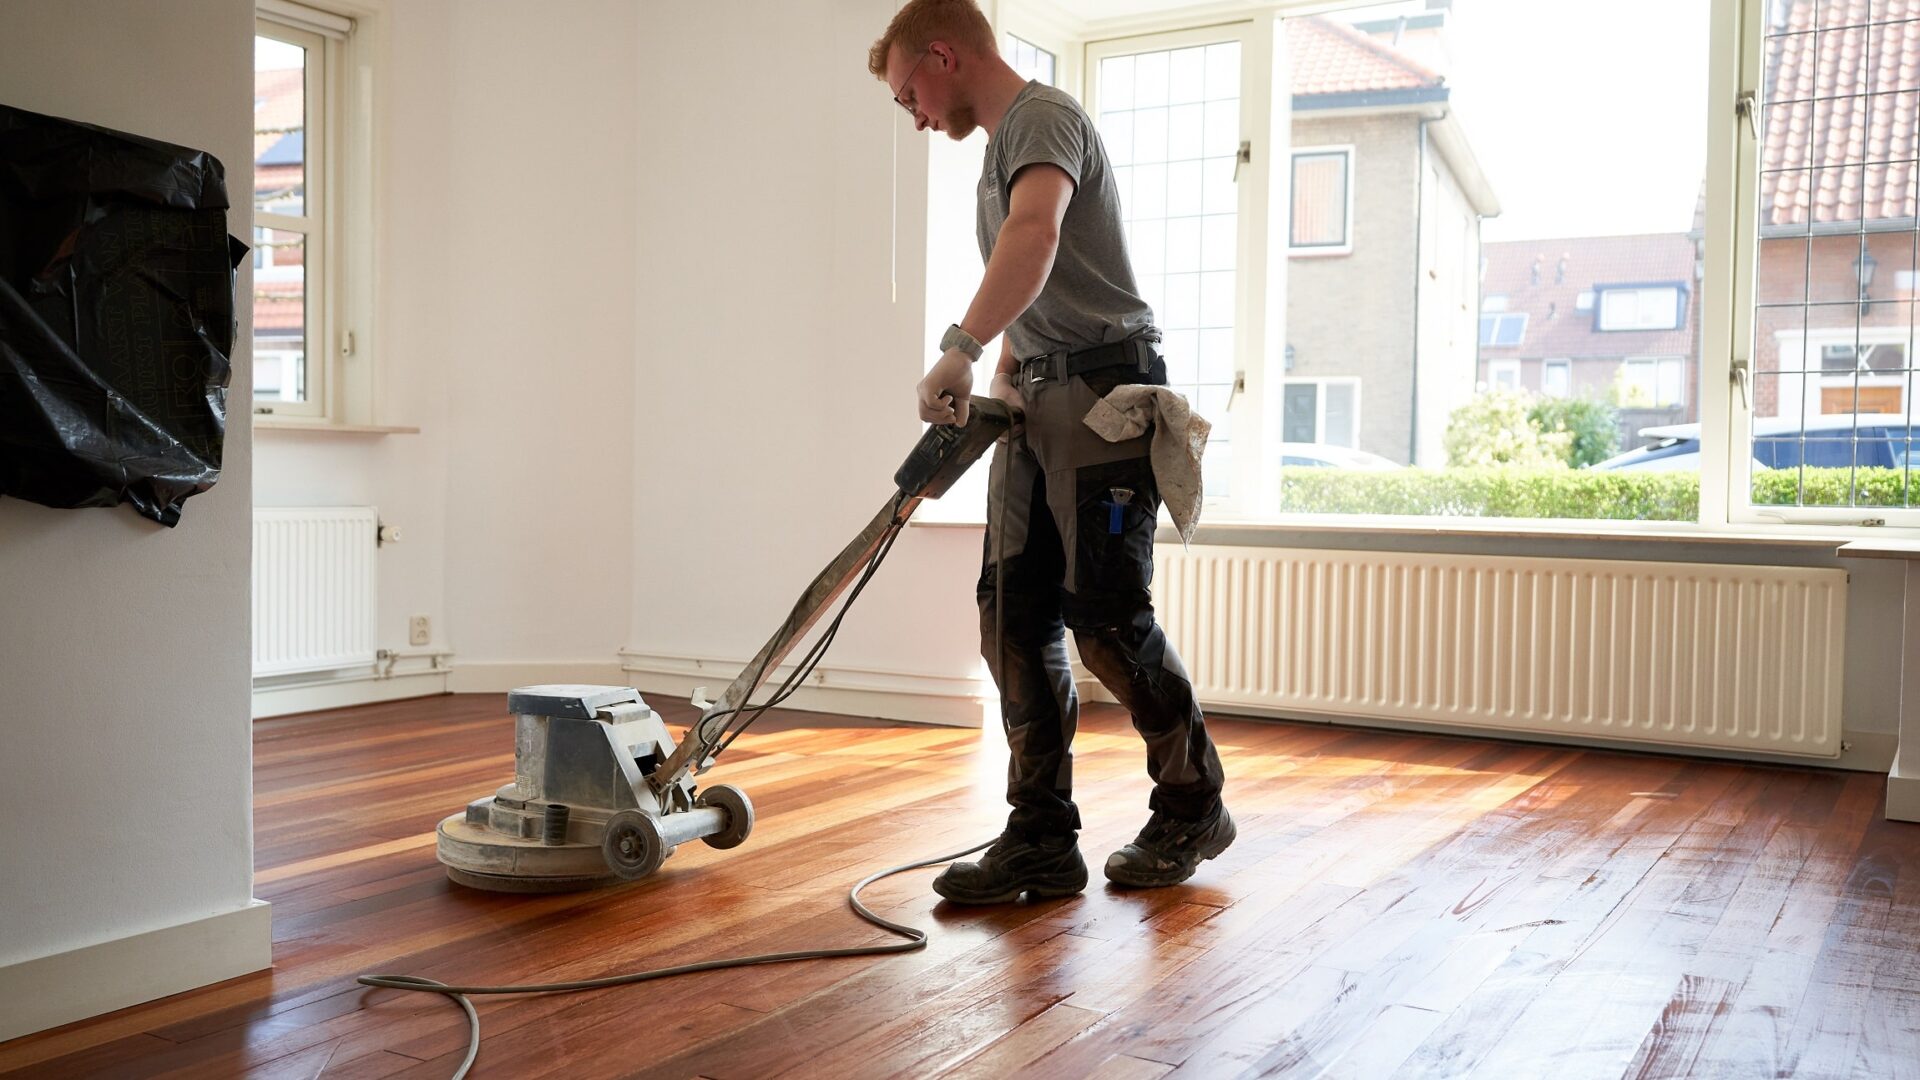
x=1495, y=428
x=1594, y=425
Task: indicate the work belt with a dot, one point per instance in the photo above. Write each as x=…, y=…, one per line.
x=1135, y=352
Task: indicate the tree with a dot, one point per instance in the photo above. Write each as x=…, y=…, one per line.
x=1496, y=428
x=1594, y=425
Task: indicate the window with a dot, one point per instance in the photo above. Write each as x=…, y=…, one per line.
x=1321, y=411
x=1503, y=374
x=1321, y=217
x=309, y=207
x=1653, y=382
x=1170, y=119
x=1030, y=60
x=1833, y=270
x=289, y=80
x=1640, y=309
x=1500, y=331
x=1556, y=378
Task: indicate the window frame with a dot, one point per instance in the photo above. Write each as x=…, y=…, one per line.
x=1257, y=379
x=1601, y=292
x=313, y=222
x=1345, y=247
x=1320, y=383
x=1730, y=288
x=1499, y=364
x=341, y=338
x=1563, y=364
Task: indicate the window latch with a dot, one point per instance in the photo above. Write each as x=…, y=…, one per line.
x=346, y=343
x=1742, y=377
x=1748, y=109
x=1243, y=157
x=1239, y=384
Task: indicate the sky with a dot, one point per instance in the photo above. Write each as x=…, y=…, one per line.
x=1589, y=119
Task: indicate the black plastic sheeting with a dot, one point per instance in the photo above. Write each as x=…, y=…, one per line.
x=116, y=316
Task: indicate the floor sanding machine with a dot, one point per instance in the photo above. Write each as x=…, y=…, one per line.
x=602, y=793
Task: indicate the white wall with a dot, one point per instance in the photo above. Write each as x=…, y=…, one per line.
x=774, y=389
x=506, y=332
x=123, y=647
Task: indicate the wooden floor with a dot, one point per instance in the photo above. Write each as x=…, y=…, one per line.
x=1397, y=905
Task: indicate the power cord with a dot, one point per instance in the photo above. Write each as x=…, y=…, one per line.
x=914, y=937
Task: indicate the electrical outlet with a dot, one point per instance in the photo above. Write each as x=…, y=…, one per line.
x=419, y=630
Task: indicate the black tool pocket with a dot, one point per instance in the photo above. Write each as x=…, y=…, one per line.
x=1118, y=507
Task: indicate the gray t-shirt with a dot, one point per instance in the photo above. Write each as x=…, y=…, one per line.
x=1091, y=297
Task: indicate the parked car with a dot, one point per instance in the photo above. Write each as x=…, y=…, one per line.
x=1839, y=440
x=1332, y=457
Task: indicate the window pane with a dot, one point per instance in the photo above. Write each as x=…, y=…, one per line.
x=1340, y=415
x=1302, y=405
x=279, y=126
x=1836, y=274
x=279, y=316
x=1174, y=115
x=1319, y=200
x=1030, y=60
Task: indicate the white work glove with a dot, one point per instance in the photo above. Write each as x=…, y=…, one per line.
x=1004, y=390
x=944, y=392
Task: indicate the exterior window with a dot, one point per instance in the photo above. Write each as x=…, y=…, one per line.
x=1322, y=205
x=1321, y=411
x=1640, y=309
x=1556, y=378
x=1502, y=330
x=1030, y=60
x=1503, y=374
x=1653, y=382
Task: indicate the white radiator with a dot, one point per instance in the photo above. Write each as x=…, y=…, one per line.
x=313, y=588
x=1733, y=657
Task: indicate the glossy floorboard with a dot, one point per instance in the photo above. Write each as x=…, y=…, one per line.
x=1397, y=905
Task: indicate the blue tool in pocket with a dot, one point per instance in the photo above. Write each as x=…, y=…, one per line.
x=1117, y=507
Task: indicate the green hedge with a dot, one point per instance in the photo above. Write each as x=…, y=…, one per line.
x=1571, y=493
x=1836, y=487
x=1493, y=492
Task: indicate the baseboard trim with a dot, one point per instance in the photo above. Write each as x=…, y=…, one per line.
x=498, y=678
x=366, y=690
x=1903, y=796
x=52, y=990
x=942, y=700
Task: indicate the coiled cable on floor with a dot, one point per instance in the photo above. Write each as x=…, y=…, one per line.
x=916, y=938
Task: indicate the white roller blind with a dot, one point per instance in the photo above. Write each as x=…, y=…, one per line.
x=302, y=17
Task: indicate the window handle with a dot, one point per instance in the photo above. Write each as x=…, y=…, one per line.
x=1239, y=384
x=1244, y=156
x=1746, y=108
x=1742, y=377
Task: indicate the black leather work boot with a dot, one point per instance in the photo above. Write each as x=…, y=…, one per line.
x=1050, y=866
x=1169, y=850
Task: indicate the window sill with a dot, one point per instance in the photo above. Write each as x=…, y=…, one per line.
x=1262, y=533
x=321, y=427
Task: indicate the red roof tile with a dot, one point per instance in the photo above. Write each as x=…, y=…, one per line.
x=1330, y=57
x=1555, y=326
x=1840, y=99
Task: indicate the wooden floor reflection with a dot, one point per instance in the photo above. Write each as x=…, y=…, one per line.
x=1397, y=905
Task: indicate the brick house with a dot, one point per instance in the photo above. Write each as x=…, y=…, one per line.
x=1383, y=239
x=1836, y=261
x=1611, y=318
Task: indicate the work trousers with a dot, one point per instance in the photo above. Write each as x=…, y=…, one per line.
x=1071, y=519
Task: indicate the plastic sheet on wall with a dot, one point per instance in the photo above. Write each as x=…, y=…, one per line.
x=116, y=316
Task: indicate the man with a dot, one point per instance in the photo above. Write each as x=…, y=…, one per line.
x=1072, y=516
